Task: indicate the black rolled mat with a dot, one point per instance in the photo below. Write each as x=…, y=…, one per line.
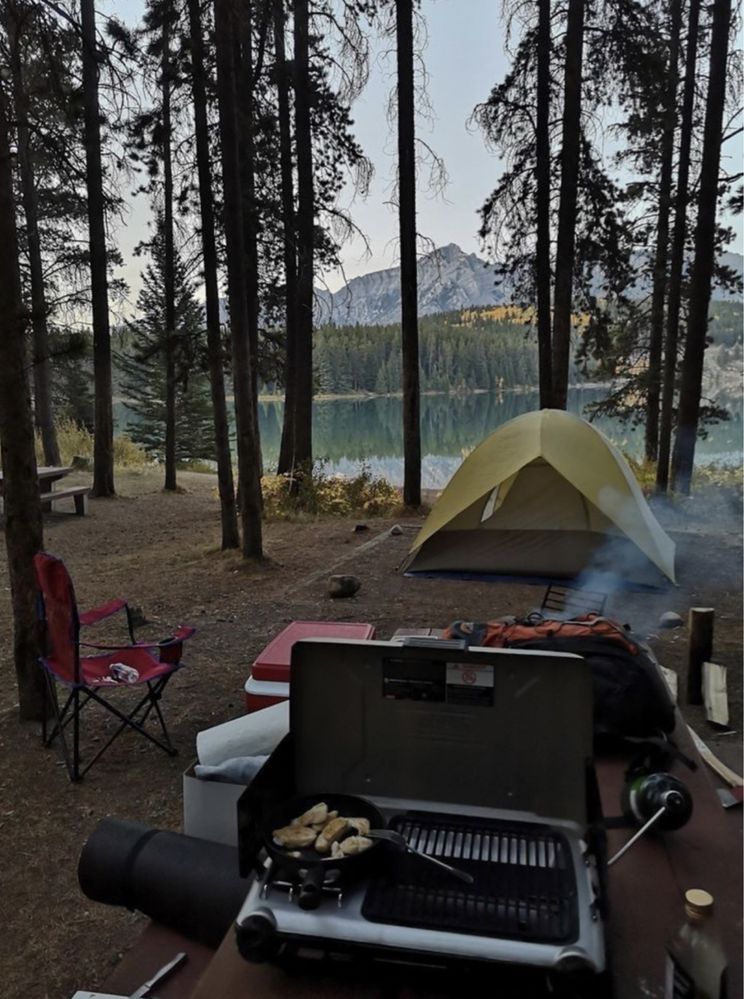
x=190, y=885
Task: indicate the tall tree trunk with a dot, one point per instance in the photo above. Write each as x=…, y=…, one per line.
x=542, y=171
x=103, y=445
x=677, y=261
x=22, y=506
x=225, y=485
x=169, y=289
x=248, y=189
x=408, y=261
x=43, y=412
x=286, y=449
x=303, y=418
x=661, y=256
x=565, y=245
x=705, y=239
x=247, y=438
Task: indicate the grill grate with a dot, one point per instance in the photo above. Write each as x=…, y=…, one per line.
x=525, y=886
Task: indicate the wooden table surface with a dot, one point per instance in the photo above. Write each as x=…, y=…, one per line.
x=646, y=900
x=646, y=889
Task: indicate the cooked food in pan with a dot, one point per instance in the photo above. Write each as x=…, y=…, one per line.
x=292, y=837
x=326, y=831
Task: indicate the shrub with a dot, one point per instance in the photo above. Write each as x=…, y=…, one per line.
x=321, y=495
x=75, y=439
x=703, y=476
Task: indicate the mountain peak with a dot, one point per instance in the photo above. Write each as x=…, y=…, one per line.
x=448, y=253
x=448, y=279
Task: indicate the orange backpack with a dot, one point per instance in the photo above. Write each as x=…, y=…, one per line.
x=498, y=634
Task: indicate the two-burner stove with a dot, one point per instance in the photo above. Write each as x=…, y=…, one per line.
x=537, y=897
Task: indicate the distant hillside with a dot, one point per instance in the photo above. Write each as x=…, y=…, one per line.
x=448, y=279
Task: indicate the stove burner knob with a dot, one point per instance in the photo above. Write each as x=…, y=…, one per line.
x=256, y=936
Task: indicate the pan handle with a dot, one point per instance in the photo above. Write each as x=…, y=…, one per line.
x=312, y=888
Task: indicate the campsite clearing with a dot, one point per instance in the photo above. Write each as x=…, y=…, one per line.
x=161, y=551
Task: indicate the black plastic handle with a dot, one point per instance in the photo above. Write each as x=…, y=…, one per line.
x=312, y=888
x=428, y=642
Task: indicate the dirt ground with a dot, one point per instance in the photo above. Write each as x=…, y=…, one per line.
x=161, y=551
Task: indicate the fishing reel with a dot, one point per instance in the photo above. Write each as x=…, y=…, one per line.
x=654, y=800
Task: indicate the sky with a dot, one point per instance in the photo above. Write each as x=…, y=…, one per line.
x=465, y=56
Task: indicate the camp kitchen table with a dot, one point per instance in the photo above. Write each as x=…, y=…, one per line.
x=646, y=888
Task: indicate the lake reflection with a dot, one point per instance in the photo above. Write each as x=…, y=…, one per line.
x=347, y=432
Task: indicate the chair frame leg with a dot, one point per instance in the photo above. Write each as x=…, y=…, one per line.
x=61, y=720
x=79, y=697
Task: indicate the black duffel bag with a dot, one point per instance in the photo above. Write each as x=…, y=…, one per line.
x=631, y=699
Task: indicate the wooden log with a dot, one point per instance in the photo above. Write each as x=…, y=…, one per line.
x=715, y=695
x=718, y=766
x=670, y=678
x=700, y=650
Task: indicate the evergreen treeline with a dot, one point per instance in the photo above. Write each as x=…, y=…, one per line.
x=454, y=356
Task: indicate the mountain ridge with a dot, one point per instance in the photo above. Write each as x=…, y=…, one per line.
x=448, y=279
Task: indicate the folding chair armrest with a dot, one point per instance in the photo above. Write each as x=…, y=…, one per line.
x=97, y=614
x=156, y=648
x=170, y=649
x=181, y=634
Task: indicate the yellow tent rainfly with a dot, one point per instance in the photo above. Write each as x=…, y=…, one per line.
x=546, y=495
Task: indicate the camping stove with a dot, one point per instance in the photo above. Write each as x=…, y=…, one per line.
x=535, y=899
x=451, y=724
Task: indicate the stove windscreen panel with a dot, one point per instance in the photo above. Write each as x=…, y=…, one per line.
x=493, y=728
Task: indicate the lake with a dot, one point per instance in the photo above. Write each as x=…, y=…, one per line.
x=349, y=432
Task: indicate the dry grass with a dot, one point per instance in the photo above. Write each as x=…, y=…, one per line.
x=74, y=440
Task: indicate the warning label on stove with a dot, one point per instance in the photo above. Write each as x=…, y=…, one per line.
x=469, y=684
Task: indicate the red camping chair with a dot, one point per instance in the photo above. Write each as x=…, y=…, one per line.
x=145, y=664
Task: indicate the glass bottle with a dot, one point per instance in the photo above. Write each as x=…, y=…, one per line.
x=696, y=963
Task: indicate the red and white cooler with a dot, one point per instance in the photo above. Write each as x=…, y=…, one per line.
x=269, y=680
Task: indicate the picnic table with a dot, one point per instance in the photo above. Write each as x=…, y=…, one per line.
x=47, y=476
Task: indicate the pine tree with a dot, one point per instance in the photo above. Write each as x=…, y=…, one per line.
x=248, y=444
x=145, y=364
x=705, y=251
x=103, y=453
x=22, y=506
x=215, y=360
x=408, y=257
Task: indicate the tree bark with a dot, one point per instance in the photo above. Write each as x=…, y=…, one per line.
x=247, y=438
x=408, y=261
x=303, y=418
x=286, y=449
x=169, y=289
x=661, y=255
x=677, y=257
x=248, y=190
x=542, y=172
x=702, y=270
x=22, y=506
x=225, y=485
x=565, y=245
x=103, y=446
x=43, y=411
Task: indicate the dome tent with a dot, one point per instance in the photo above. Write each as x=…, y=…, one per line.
x=546, y=495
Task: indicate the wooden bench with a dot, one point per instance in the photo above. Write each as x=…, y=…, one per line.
x=77, y=493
